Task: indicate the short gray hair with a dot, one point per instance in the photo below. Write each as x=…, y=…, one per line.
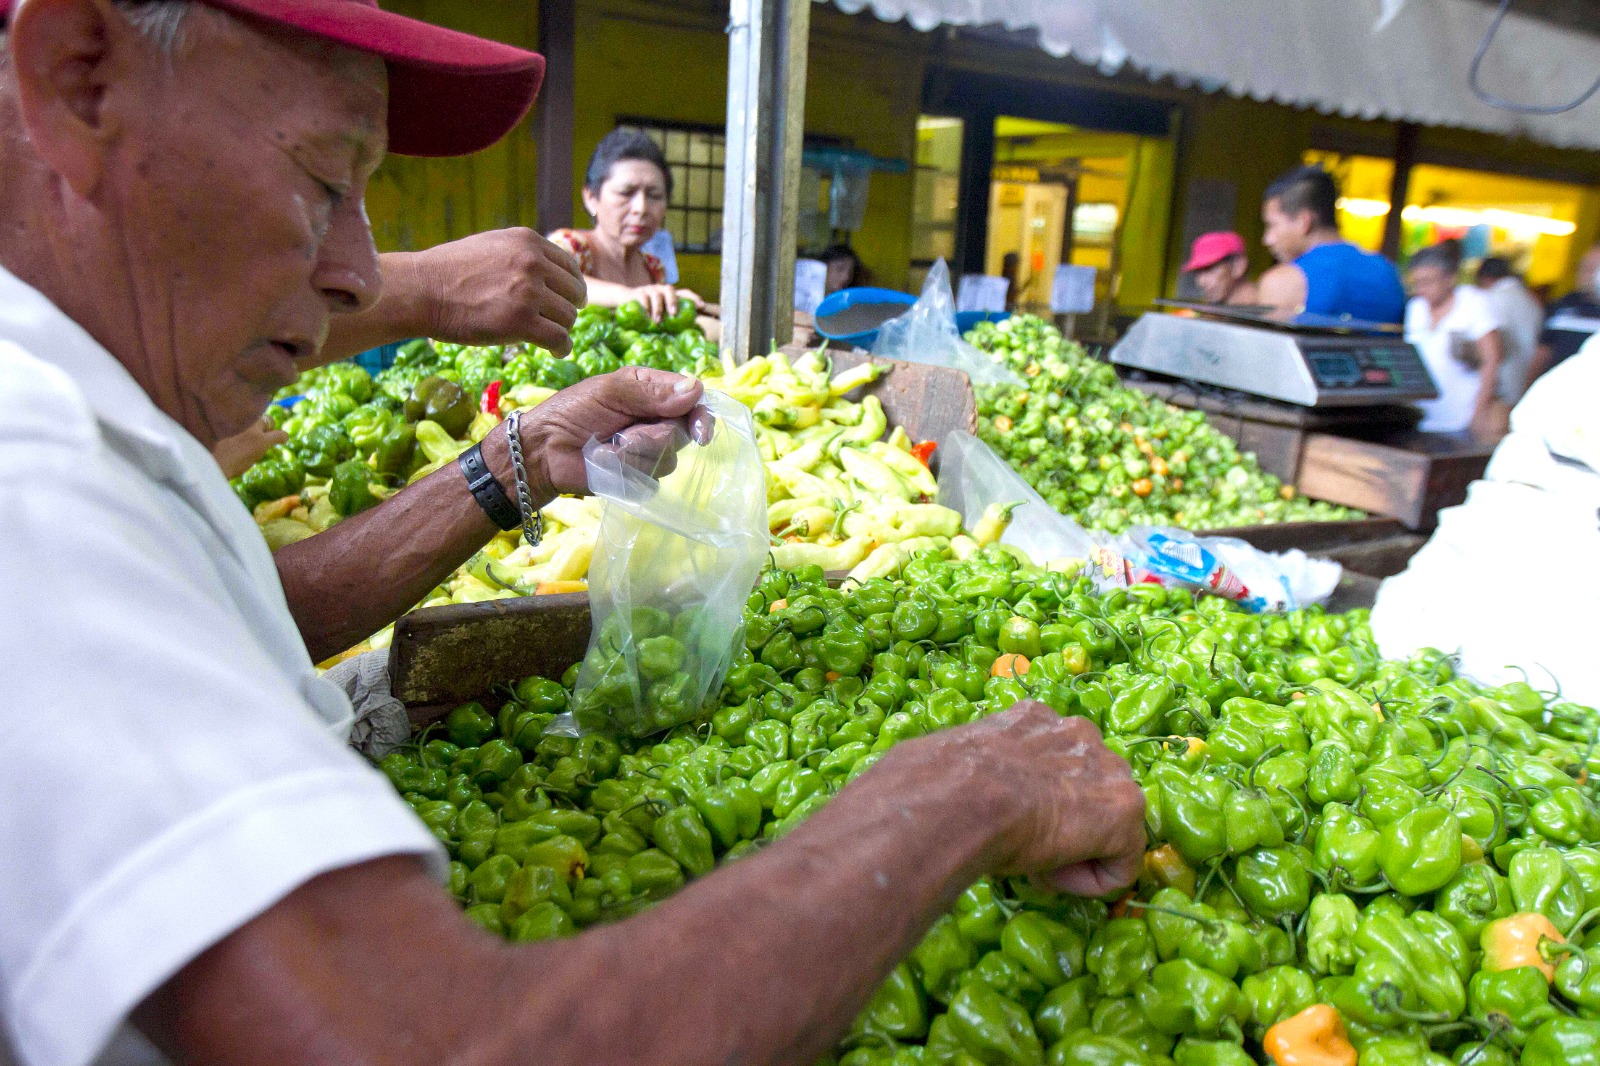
x=160, y=21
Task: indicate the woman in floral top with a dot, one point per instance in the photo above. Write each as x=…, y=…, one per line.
x=625, y=189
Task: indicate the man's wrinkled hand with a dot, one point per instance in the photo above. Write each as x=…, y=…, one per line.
x=1068, y=810
x=503, y=287
x=644, y=412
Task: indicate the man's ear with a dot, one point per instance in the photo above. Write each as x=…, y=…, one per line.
x=66, y=55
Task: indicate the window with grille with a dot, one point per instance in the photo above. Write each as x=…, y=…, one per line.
x=694, y=154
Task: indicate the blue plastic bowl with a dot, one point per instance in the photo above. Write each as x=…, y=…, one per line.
x=845, y=298
x=836, y=302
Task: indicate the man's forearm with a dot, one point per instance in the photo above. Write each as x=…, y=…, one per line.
x=769, y=960
x=405, y=310
x=350, y=581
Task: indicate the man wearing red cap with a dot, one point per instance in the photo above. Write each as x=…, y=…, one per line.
x=1218, y=263
x=191, y=858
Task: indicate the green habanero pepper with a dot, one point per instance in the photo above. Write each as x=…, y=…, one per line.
x=1347, y=843
x=1192, y=812
x=1421, y=851
x=1121, y=1017
x=942, y=957
x=1192, y=1052
x=1477, y=895
x=979, y=914
x=1273, y=882
x=1086, y=1048
x=732, y=812
x=1050, y=951
x=1518, y=999
x=1330, y=934
x=1223, y=947
x=682, y=834
x=1182, y=999
x=897, y=1010
x=1541, y=881
x=993, y=1028
x=1563, y=1042
x=1276, y=994
x=1065, y=1009
x=1120, y=954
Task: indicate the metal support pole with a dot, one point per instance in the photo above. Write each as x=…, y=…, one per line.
x=766, y=122
x=554, y=120
x=1405, y=155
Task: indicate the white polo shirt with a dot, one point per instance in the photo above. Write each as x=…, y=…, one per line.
x=170, y=764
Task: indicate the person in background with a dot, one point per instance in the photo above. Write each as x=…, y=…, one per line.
x=845, y=270
x=1520, y=315
x=1318, y=271
x=1458, y=337
x=1218, y=264
x=625, y=190
x=1573, y=319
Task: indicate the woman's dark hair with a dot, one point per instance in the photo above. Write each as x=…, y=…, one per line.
x=622, y=143
x=1444, y=256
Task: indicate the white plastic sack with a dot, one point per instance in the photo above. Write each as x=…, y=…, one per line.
x=927, y=334
x=1472, y=590
x=972, y=477
x=676, y=559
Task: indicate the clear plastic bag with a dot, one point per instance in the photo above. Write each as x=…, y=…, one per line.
x=677, y=558
x=927, y=334
x=973, y=478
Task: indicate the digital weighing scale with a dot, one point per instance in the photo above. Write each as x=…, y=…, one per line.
x=1312, y=361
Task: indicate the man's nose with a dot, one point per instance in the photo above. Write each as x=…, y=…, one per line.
x=347, y=271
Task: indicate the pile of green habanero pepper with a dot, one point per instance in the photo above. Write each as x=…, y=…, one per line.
x=1111, y=457
x=345, y=416
x=1351, y=861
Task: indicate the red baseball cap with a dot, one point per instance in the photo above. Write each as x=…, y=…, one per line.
x=1209, y=248
x=449, y=93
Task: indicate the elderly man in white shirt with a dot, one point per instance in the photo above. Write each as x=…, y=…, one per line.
x=191, y=858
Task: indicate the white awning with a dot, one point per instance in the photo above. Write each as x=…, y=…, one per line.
x=1405, y=60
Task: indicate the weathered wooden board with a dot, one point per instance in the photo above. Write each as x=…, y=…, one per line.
x=442, y=656
x=1410, y=478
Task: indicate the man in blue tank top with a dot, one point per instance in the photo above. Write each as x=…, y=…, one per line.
x=1318, y=271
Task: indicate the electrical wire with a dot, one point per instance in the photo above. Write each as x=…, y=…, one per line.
x=1509, y=105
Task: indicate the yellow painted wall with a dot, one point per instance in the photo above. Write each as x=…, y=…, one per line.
x=418, y=203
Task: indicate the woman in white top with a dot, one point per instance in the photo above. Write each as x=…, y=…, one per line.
x=1454, y=329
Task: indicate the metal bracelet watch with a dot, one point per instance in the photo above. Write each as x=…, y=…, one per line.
x=532, y=520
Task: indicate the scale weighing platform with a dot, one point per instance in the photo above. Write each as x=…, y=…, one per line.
x=1312, y=361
